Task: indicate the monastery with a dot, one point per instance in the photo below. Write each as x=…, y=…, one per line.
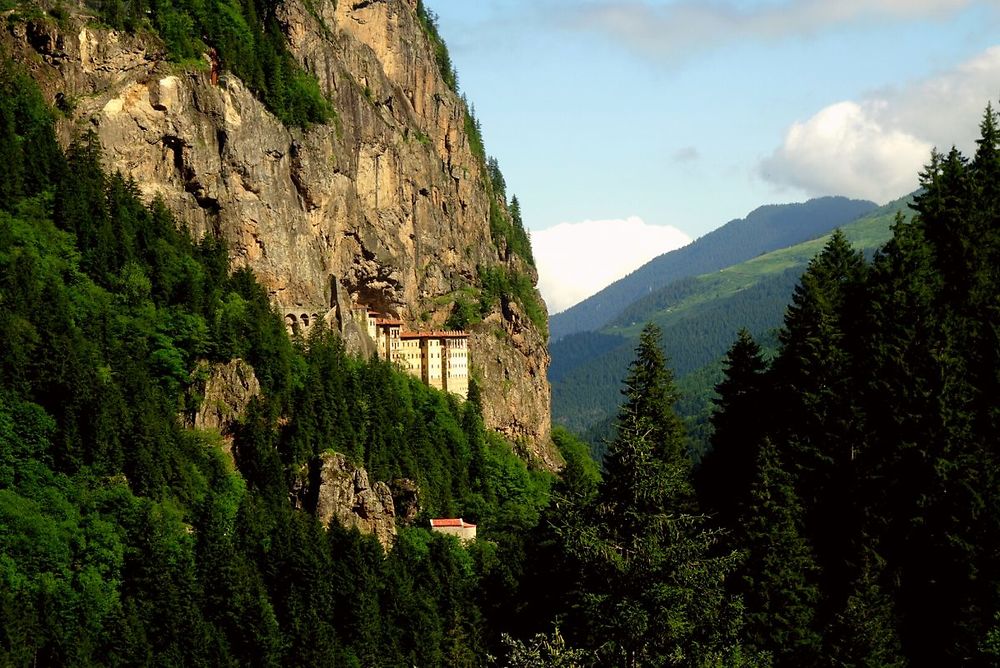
x=438, y=358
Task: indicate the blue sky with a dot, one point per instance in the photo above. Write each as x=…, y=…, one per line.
x=685, y=114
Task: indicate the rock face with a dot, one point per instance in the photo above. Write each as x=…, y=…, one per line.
x=389, y=200
x=338, y=490
x=226, y=390
x=406, y=500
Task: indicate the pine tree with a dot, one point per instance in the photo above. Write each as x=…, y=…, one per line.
x=944, y=214
x=864, y=632
x=653, y=591
x=650, y=395
x=726, y=472
x=818, y=431
x=779, y=576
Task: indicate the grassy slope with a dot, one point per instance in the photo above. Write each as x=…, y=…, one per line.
x=764, y=229
x=700, y=317
x=867, y=233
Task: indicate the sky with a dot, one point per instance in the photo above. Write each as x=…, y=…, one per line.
x=627, y=128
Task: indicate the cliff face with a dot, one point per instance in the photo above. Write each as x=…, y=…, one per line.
x=337, y=490
x=389, y=199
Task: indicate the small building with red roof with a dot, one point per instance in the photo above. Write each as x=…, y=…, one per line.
x=464, y=531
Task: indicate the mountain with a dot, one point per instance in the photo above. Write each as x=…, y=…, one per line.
x=181, y=476
x=764, y=229
x=389, y=202
x=700, y=316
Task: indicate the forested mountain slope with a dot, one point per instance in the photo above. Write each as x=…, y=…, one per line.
x=859, y=467
x=764, y=229
x=699, y=317
x=327, y=144
x=129, y=537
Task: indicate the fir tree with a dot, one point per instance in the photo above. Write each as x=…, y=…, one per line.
x=738, y=424
x=779, y=577
x=654, y=592
x=864, y=632
x=818, y=417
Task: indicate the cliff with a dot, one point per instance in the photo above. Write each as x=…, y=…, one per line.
x=334, y=489
x=389, y=200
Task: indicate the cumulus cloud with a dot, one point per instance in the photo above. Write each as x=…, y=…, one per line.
x=575, y=260
x=844, y=149
x=874, y=148
x=677, y=29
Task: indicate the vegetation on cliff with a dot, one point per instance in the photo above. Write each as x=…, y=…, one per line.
x=128, y=537
x=243, y=37
x=429, y=22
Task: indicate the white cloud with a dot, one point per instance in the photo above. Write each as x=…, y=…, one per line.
x=845, y=150
x=575, y=260
x=677, y=29
x=875, y=147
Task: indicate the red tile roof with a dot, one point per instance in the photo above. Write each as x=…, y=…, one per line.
x=388, y=321
x=451, y=522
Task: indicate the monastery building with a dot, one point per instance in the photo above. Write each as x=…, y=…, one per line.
x=438, y=358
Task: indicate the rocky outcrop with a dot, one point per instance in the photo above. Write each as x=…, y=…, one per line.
x=389, y=199
x=406, y=499
x=226, y=391
x=337, y=490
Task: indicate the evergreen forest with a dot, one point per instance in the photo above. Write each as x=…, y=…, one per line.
x=848, y=513
x=126, y=539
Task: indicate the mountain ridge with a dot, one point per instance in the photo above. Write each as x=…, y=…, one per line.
x=699, y=316
x=766, y=228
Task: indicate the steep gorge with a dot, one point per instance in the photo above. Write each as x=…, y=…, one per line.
x=389, y=200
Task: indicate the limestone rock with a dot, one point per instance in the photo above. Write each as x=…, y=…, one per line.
x=389, y=200
x=225, y=390
x=338, y=490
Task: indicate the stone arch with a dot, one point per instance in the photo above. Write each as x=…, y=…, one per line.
x=306, y=323
x=291, y=323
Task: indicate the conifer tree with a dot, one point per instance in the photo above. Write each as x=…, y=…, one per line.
x=818, y=425
x=864, y=631
x=653, y=591
x=726, y=472
x=650, y=395
x=778, y=579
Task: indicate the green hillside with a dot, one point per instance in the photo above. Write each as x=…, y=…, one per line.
x=699, y=317
x=128, y=539
x=764, y=229
x=663, y=306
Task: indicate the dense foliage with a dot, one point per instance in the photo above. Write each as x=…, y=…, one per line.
x=126, y=538
x=698, y=316
x=871, y=518
x=633, y=574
